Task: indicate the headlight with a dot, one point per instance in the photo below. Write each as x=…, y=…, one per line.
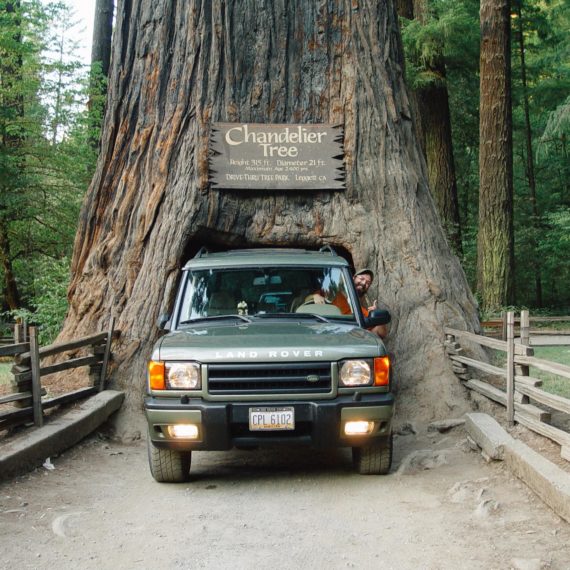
x=355, y=373
x=183, y=376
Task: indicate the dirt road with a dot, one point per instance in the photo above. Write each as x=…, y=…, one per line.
x=442, y=507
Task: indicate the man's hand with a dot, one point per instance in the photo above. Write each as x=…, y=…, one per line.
x=374, y=305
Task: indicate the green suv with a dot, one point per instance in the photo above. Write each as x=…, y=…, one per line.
x=268, y=347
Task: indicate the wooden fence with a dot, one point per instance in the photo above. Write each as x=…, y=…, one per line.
x=14, y=333
x=513, y=386
x=26, y=397
x=497, y=328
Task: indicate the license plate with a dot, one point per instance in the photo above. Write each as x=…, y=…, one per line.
x=269, y=419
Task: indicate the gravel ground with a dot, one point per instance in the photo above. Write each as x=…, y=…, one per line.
x=442, y=507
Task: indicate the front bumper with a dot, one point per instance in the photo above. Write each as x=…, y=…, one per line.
x=223, y=425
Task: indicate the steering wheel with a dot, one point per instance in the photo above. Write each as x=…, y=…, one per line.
x=312, y=301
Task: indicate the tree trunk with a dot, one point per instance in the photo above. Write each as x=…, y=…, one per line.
x=177, y=67
x=495, y=259
x=100, y=63
x=102, y=34
x=435, y=118
x=11, y=293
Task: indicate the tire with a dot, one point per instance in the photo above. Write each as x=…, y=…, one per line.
x=167, y=465
x=375, y=459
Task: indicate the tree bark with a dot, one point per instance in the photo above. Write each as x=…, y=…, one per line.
x=179, y=66
x=495, y=245
x=11, y=293
x=435, y=118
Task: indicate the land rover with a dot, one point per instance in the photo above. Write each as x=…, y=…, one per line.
x=254, y=356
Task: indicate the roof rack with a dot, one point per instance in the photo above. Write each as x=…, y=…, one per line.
x=327, y=249
x=202, y=252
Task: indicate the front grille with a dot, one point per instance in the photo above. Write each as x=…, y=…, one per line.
x=285, y=378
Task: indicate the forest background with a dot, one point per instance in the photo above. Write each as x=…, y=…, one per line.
x=51, y=109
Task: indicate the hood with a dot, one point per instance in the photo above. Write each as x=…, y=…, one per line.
x=269, y=341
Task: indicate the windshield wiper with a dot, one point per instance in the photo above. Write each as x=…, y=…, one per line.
x=291, y=316
x=215, y=318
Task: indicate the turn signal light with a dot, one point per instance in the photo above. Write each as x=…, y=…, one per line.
x=382, y=371
x=156, y=375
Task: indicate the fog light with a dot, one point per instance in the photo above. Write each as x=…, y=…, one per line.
x=358, y=428
x=184, y=431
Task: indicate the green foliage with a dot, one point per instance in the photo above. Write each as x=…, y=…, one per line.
x=451, y=30
x=558, y=125
x=448, y=29
x=49, y=299
x=554, y=253
x=540, y=247
x=47, y=155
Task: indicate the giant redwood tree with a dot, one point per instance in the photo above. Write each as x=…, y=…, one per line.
x=176, y=68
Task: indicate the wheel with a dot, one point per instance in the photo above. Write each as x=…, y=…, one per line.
x=375, y=459
x=167, y=465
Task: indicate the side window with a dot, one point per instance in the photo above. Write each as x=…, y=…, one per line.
x=335, y=292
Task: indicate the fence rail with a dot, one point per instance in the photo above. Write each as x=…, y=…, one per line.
x=518, y=391
x=498, y=327
x=27, y=391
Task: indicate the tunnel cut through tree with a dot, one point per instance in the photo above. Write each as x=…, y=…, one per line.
x=176, y=68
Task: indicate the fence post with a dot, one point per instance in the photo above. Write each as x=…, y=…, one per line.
x=524, y=370
x=511, y=368
x=525, y=328
x=504, y=327
x=107, y=354
x=18, y=333
x=36, y=381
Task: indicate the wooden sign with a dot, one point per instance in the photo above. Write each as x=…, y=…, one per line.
x=276, y=157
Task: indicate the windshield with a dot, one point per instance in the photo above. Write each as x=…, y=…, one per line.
x=266, y=291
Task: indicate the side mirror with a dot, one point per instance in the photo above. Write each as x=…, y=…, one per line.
x=377, y=317
x=162, y=321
